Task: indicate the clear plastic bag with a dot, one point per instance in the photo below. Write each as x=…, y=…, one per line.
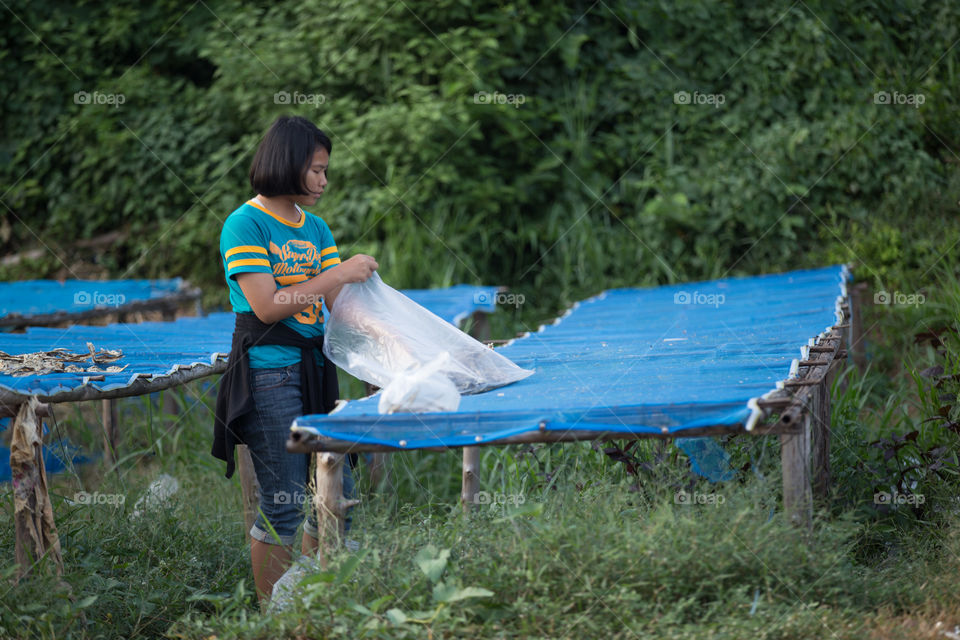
x=284, y=588
x=376, y=333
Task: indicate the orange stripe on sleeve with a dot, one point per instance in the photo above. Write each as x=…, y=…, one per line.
x=247, y=248
x=248, y=262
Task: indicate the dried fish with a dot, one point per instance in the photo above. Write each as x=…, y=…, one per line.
x=60, y=360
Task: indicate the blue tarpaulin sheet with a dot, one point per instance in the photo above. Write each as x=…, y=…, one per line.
x=161, y=348
x=154, y=348
x=28, y=298
x=57, y=457
x=656, y=360
x=455, y=303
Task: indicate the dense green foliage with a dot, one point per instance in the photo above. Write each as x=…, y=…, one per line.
x=617, y=143
x=599, y=178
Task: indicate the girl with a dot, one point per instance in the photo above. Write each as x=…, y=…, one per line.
x=281, y=265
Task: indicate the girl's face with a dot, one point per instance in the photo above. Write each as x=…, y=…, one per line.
x=315, y=179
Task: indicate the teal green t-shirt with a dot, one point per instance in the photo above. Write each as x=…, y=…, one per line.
x=256, y=240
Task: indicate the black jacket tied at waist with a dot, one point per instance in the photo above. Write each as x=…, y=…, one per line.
x=318, y=384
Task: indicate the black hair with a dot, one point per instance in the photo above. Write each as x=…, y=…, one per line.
x=284, y=155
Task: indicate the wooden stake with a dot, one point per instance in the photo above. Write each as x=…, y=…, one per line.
x=379, y=473
x=171, y=408
x=329, y=502
x=481, y=326
x=109, y=412
x=249, y=487
x=35, y=532
x=856, y=337
x=471, y=478
x=795, y=461
x=821, y=434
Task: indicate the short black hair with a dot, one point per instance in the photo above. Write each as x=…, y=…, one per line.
x=284, y=155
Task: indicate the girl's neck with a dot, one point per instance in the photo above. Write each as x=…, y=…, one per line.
x=281, y=206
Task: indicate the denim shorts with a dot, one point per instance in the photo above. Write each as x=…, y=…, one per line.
x=283, y=477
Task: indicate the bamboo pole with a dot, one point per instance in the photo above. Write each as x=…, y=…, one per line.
x=10, y=411
x=144, y=384
x=471, y=478
x=301, y=442
x=249, y=487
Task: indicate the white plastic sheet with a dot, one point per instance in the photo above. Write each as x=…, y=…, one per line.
x=426, y=388
x=379, y=335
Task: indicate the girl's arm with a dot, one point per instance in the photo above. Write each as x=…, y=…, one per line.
x=271, y=305
x=331, y=297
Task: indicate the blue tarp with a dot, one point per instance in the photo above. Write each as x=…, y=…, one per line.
x=160, y=348
x=155, y=348
x=57, y=457
x=629, y=360
x=454, y=304
x=40, y=297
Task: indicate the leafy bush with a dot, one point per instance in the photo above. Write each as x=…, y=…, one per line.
x=598, y=178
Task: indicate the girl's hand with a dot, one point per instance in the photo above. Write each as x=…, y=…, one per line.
x=357, y=269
